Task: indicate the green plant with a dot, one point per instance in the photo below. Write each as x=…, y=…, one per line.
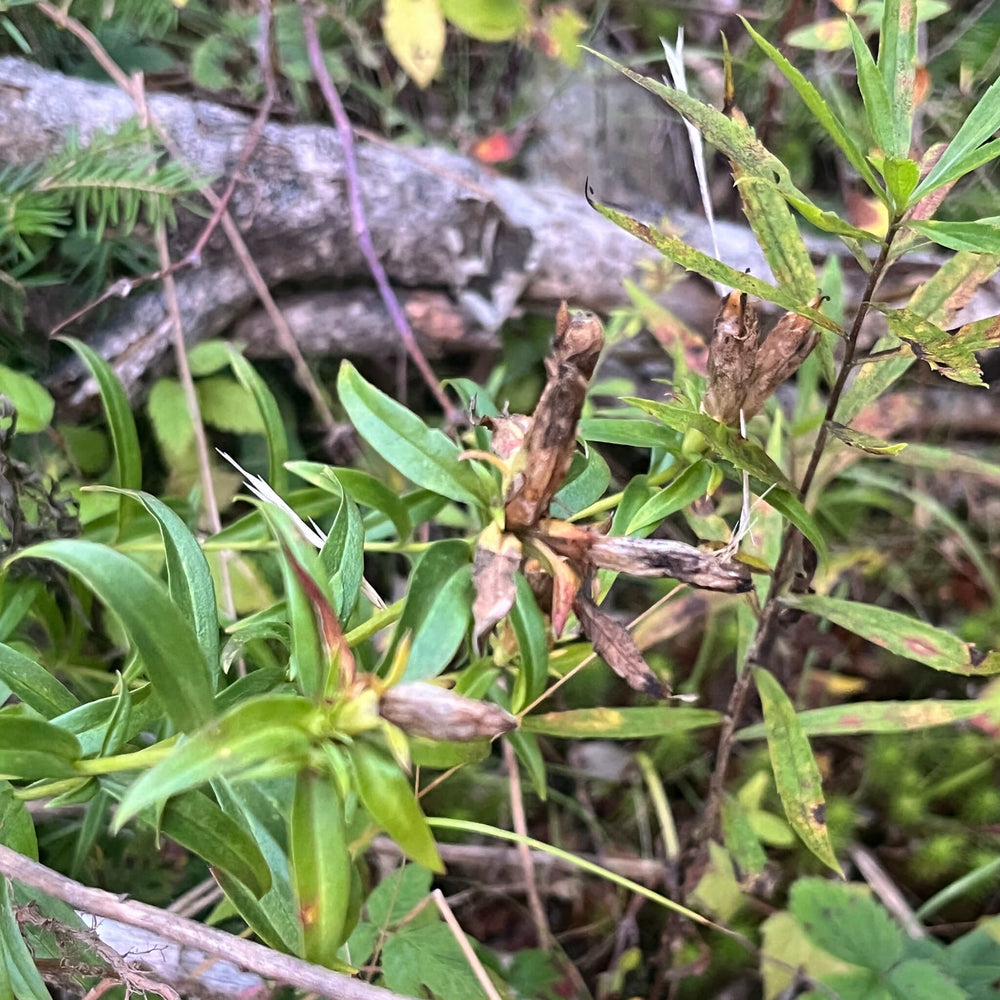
x=277, y=753
x=843, y=923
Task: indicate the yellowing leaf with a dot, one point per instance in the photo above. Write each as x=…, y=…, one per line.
x=558, y=34
x=829, y=35
x=487, y=20
x=414, y=31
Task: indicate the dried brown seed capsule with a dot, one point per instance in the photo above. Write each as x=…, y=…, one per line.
x=439, y=714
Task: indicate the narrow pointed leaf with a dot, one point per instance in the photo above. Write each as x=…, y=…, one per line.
x=18, y=972
x=724, y=441
x=33, y=684
x=937, y=299
x=532, y=643
x=982, y=122
x=796, y=774
x=271, y=731
x=32, y=748
x=953, y=355
x=822, y=112
x=896, y=53
x=694, y=260
x=320, y=865
x=902, y=635
x=965, y=164
x=365, y=490
x=118, y=411
x=310, y=658
x=981, y=236
x=91, y=723
x=740, y=145
x=691, y=484
x=877, y=717
x=388, y=796
x=197, y=823
x=158, y=630
x=189, y=579
x=878, y=109
x=425, y=456
x=438, y=608
x=864, y=442
x=274, y=427
x=620, y=723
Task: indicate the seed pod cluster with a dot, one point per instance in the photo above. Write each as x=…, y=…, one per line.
x=557, y=558
x=743, y=370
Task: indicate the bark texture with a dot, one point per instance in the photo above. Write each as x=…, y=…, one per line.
x=487, y=245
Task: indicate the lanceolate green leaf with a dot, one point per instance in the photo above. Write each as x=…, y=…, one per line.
x=821, y=111
x=724, y=441
x=310, y=660
x=878, y=110
x=320, y=864
x=33, y=684
x=365, y=490
x=796, y=774
x=273, y=917
x=983, y=121
x=438, y=608
x=694, y=260
x=387, y=795
x=620, y=723
x=981, y=236
x=532, y=643
x=32, y=748
x=423, y=455
x=271, y=731
x=274, y=428
x=740, y=145
x=124, y=437
x=197, y=823
x=92, y=722
x=901, y=634
x=896, y=53
x=877, y=717
x=158, y=630
x=18, y=972
x=972, y=160
x=691, y=484
x=189, y=579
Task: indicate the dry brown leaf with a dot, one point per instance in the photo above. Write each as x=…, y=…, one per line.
x=548, y=447
x=494, y=568
x=615, y=645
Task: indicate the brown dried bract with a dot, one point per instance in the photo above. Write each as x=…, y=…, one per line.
x=615, y=645
x=786, y=347
x=646, y=557
x=421, y=709
x=731, y=357
x=494, y=567
x=548, y=447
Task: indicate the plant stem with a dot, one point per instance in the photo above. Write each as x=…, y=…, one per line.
x=762, y=645
x=127, y=761
x=359, y=221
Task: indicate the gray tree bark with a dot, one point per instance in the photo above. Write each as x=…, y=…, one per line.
x=467, y=248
